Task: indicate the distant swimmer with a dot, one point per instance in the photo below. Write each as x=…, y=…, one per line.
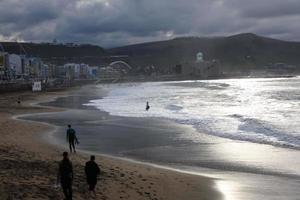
x=147, y=106
x=19, y=100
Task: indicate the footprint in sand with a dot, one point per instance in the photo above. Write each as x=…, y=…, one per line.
x=147, y=193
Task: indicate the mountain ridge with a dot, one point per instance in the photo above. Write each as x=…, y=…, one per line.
x=236, y=52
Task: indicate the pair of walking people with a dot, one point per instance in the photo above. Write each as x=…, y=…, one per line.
x=66, y=175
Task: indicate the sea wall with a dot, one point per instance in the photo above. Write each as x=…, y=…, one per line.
x=27, y=86
x=14, y=87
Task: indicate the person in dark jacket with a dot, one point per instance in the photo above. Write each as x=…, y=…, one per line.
x=65, y=175
x=71, y=138
x=92, y=171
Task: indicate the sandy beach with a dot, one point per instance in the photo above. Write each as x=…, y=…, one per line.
x=28, y=166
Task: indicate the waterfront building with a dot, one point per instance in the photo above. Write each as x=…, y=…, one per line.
x=44, y=72
x=199, y=68
x=84, y=71
x=35, y=66
x=71, y=70
x=3, y=65
x=93, y=71
x=76, y=71
x=15, y=67
x=26, y=66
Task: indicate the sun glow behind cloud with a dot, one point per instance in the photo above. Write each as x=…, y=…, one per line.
x=12, y=38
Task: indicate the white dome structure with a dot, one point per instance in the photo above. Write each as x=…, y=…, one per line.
x=199, y=57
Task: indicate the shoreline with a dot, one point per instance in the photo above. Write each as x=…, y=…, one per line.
x=134, y=79
x=111, y=166
x=53, y=128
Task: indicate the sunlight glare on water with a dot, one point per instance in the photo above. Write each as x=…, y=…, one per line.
x=255, y=110
x=228, y=189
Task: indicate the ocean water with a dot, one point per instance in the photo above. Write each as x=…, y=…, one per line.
x=264, y=111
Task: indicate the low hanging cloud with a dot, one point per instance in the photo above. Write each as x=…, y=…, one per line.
x=120, y=22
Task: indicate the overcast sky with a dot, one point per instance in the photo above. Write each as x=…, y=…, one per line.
x=120, y=22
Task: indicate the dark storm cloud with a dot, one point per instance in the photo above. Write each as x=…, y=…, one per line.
x=137, y=17
x=19, y=16
x=266, y=8
x=27, y=12
x=119, y=22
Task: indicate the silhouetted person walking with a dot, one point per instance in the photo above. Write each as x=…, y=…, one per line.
x=147, y=106
x=92, y=171
x=71, y=137
x=65, y=175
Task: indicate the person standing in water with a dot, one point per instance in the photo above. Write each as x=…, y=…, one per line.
x=147, y=106
x=65, y=176
x=71, y=138
x=92, y=171
x=19, y=100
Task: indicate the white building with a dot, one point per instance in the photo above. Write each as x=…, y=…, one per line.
x=15, y=64
x=199, y=57
x=71, y=69
x=35, y=66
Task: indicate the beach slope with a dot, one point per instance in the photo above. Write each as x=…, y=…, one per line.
x=28, y=165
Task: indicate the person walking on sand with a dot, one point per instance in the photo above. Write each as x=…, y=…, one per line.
x=65, y=176
x=147, y=106
x=92, y=171
x=71, y=138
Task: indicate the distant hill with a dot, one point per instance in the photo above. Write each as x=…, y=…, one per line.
x=237, y=52
x=58, y=53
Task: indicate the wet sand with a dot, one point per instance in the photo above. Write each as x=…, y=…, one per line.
x=28, y=164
